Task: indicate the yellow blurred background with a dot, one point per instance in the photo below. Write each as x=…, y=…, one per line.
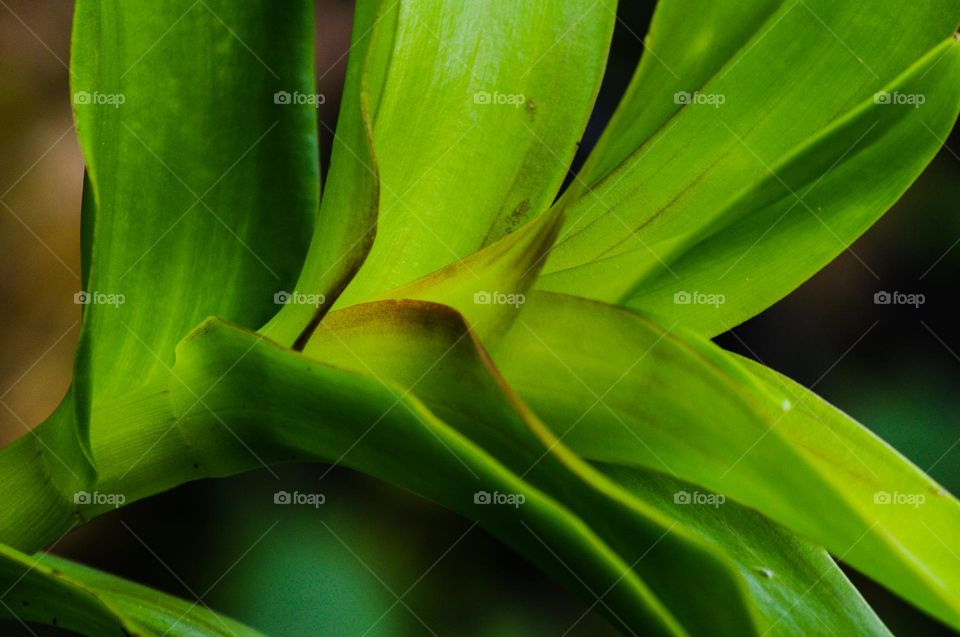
x=41, y=174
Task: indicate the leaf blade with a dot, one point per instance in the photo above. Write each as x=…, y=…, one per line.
x=184, y=226
x=42, y=471
x=750, y=448
x=662, y=206
x=50, y=590
x=347, y=222
x=427, y=349
x=470, y=102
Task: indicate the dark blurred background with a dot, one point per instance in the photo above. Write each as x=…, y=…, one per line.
x=295, y=571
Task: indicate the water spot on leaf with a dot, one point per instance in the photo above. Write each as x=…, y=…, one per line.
x=764, y=571
x=531, y=107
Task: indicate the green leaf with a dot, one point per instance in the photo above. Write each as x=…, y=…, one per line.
x=796, y=586
x=319, y=412
x=759, y=182
x=915, y=517
x=196, y=206
x=208, y=418
x=819, y=199
x=178, y=222
x=204, y=182
x=45, y=589
x=41, y=473
x=427, y=350
x=345, y=228
x=489, y=287
x=688, y=43
x=485, y=90
x=706, y=419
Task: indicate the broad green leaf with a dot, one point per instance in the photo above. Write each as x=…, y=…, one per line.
x=318, y=412
x=204, y=177
x=211, y=216
x=822, y=196
x=178, y=221
x=796, y=586
x=688, y=42
x=476, y=125
x=919, y=517
x=489, y=287
x=208, y=418
x=705, y=419
x=44, y=589
x=346, y=224
x=428, y=350
x=41, y=473
x=750, y=145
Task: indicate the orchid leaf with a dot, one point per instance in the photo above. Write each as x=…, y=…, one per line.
x=45, y=589
x=795, y=585
x=489, y=287
x=407, y=324
x=747, y=184
x=346, y=226
x=777, y=452
x=203, y=175
x=818, y=200
x=324, y=413
x=671, y=65
x=41, y=473
x=428, y=350
x=485, y=89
